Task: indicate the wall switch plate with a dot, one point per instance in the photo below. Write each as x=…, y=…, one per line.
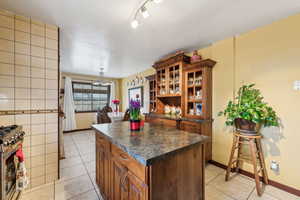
x=297, y=85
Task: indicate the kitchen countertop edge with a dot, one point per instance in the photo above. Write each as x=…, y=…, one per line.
x=147, y=162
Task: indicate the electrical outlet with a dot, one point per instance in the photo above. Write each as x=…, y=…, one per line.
x=274, y=166
x=297, y=85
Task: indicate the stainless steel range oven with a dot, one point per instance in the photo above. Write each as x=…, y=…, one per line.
x=11, y=138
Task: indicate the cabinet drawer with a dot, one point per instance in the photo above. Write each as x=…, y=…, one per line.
x=191, y=127
x=163, y=122
x=132, y=165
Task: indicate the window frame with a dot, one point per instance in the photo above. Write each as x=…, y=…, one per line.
x=91, y=91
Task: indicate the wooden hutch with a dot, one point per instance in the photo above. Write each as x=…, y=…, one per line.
x=180, y=83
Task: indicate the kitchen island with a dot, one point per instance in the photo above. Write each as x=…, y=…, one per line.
x=157, y=163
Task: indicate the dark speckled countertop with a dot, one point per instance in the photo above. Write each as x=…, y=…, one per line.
x=153, y=142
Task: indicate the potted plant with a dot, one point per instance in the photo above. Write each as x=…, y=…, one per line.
x=248, y=112
x=134, y=111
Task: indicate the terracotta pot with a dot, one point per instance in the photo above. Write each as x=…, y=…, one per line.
x=246, y=127
x=135, y=125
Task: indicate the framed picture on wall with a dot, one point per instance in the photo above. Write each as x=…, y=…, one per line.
x=136, y=93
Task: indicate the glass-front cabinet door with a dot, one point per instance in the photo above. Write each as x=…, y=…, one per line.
x=194, y=97
x=161, y=82
x=169, y=81
x=174, y=80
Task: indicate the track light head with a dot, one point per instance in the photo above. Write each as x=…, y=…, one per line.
x=134, y=24
x=145, y=12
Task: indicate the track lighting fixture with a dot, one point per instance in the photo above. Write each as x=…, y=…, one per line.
x=144, y=11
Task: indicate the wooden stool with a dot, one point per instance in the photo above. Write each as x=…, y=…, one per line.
x=256, y=157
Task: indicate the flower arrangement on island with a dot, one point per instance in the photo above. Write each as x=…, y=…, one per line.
x=134, y=111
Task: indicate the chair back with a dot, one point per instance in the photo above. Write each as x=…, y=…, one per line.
x=126, y=115
x=102, y=115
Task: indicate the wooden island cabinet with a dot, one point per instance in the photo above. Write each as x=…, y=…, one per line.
x=135, y=166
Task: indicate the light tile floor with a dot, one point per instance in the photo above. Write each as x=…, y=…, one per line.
x=78, y=178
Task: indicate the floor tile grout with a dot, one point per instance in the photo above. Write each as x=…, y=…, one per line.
x=60, y=170
x=83, y=163
x=54, y=190
x=95, y=189
x=213, y=178
x=250, y=193
x=222, y=191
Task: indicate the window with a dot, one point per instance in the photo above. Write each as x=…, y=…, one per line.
x=89, y=97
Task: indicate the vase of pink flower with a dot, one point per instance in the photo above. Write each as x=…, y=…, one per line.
x=134, y=111
x=116, y=102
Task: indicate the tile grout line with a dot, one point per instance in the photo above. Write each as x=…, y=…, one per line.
x=225, y=193
x=30, y=116
x=14, y=98
x=61, y=177
x=54, y=185
x=45, y=101
x=95, y=189
x=233, y=198
x=250, y=193
x=214, y=178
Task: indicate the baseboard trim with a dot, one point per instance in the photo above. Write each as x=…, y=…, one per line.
x=83, y=129
x=271, y=182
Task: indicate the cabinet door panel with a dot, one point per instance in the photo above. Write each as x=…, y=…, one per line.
x=124, y=188
x=97, y=164
x=106, y=174
x=99, y=168
x=137, y=190
x=119, y=183
x=102, y=167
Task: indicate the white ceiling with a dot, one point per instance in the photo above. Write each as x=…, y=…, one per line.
x=97, y=33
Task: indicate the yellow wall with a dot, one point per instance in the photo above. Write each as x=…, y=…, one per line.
x=270, y=58
x=124, y=88
x=85, y=120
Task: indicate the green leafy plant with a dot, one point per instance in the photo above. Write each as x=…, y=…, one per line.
x=249, y=105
